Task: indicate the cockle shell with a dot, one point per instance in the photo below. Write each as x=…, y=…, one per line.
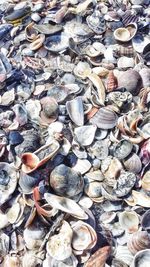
x=76, y=111
x=84, y=236
x=84, y=135
x=59, y=246
x=112, y=82
x=138, y=241
x=133, y=163
x=99, y=257
x=129, y=221
x=124, y=183
x=31, y=161
x=141, y=259
x=131, y=80
x=67, y=205
x=146, y=181
x=65, y=181
x=104, y=119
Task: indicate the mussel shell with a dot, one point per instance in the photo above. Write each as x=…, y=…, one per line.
x=123, y=149
x=104, y=119
x=65, y=181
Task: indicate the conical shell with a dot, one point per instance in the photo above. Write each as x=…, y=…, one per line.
x=112, y=82
x=139, y=241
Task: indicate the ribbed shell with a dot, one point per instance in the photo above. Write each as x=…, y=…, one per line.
x=139, y=241
x=104, y=119
x=112, y=82
x=125, y=51
x=128, y=18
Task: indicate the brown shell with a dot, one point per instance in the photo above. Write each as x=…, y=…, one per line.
x=125, y=51
x=112, y=82
x=139, y=241
x=99, y=257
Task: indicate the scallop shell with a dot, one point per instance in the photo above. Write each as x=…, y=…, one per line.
x=133, y=163
x=146, y=181
x=104, y=119
x=76, y=111
x=65, y=181
x=129, y=221
x=84, y=135
x=59, y=246
x=84, y=236
x=67, y=205
x=141, y=259
x=124, y=183
x=145, y=222
x=139, y=241
x=32, y=161
x=131, y=80
x=112, y=82
x=99, y=257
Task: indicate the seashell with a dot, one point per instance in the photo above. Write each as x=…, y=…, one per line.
x=49, y=111
x=84, y=236
x=129, y=18
x=4, y=29
x=141, y=259
x=7, y=98
x=5, y=66
x=124, y=51
x=75, y=110
x=104, y=119
x=32, y=161
x=124, y=183
x=13, y=213
x=59, y=93
x=123, y=254
x=31, y=33
x=145, y=74
x=96, y=22
x=93, y=189
x=125, y=62
x=146, y=181
x=57, y=43
x=129, y=221
x=123, y=149
x=108, y=217
x=67, y=205
x=131, y=80
x=112, y=82
x=133, y=163
x=85, y=134
x=12, y=261
x=82, y=70
x=95, y=49
x=139, y=42
x=47, y=28
x=82, y=166
x=19, y=13
x=27, y=182
x=111, y=206
x=138, y=241
x=35, y=17
x=31, y=259
x=49, y=261
x=118, y=263
x=100, y=71
x=86, y=202
x=97, y=82
x=139, y=198
x=21, y=114
x=100, y=149
x=59, y=246
x=65, y=181
x=33, y=237
x=3, y=222
x=8, y=181
x=145, y=222
x=99, y=257
x=125, y=34
x=37, y=43
x=111, y=168
x=95, y=175
x=100, y=134
x=145, y=152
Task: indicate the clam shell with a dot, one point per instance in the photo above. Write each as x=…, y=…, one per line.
x=133, y=163
x=67, y=205
x=37, y=43
x=125, y=62
x=138, y=241
x=112, y=82
x=124, y=183
x=146, y=181
x=76, y=111
x=65, y=181
x=123, y=254
x=141, y=259
x=129, y=221
x=145, y=222
x=84, y=135
x=82, y=166
x=123, y=149
x=49, y=111
x=131, y=80
x=33, y=237
x=99, y=257
x=145, y=74
x=139, y=198
x=59, y=246
x=104, y=119
x=84, y=236
x=57, y=43
x=93, y=189
x=125, y=34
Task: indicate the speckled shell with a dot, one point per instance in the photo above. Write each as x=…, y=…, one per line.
x=139, y=241
x=124, y=184
x=112, y=82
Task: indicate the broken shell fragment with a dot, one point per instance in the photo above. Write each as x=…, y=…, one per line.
x=123, y=149
x=76, y=111
x=133, y=163
x=124, y=183
x=85, y=134
x=99, y=257
x=146, y=181
x=145, y=222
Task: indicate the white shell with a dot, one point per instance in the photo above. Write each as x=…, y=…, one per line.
x=129, y=221
x=85, y=134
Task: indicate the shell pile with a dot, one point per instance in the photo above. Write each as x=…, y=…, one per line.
x=75, y=133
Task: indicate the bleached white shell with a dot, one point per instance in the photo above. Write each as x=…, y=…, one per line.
x=85, y=134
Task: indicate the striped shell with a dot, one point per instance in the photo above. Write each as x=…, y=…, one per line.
x=128, y=18
x=104, y=119
x=125, y=51
x=112, y=82
x=139, y=241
